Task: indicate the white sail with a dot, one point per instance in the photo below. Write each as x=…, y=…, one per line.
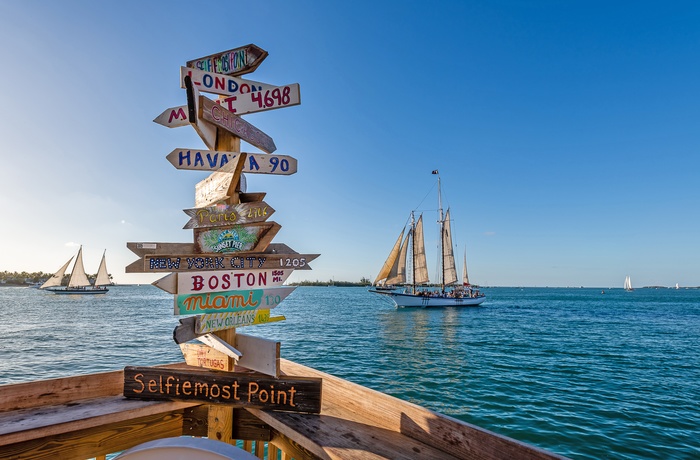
x=449, y=271
x=420, y=268
x=628, y=284
x=78, y=278
x=397, y=275
x=102, y=274
x=465, y=276
x=390, y=262
x=57, y=277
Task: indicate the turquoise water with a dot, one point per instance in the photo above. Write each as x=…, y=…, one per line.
x=581, y=373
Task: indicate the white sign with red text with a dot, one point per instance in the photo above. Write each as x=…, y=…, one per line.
x=230, y=280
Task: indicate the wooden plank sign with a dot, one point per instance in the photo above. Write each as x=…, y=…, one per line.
x=217, y=83
x=150, y=248
x=236, y=238
x=203, y=108
x=220, y=345
x=231, y=301
x=201, y=355
x=260, y=101
x=217, y=281
x=219, y=186
x=237, y=61
x=158, y=263
x=222, y=215
x=213, y=160
x=292, y=394
x=174, y=117
x=223, y=321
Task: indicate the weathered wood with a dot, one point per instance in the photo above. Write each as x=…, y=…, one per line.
x=200, y=355
x=360, y=406
x=225, y=280
x=206, y=130
x=200, y=262
x=298, y=394
x=235, y=239
x=195, y=421
x=259, y=354
x=143, y=249
x=97, y=439
x=218, y=83
x=219, y=186
x=237, y=61
x=263, y=100
x=216, y=114
x=243, y=300
x=228, y=214
x=214, y=160
x=248, y=426
x=220, y=345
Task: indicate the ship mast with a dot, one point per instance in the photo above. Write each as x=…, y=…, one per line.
x=441, y=222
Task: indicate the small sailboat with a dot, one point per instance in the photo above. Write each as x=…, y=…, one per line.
x=406, y=265
x=628, y=284
x=79, y=282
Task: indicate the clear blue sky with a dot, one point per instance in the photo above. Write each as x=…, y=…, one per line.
x=566, y=133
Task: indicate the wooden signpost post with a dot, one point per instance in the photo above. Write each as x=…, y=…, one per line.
x=231, y=275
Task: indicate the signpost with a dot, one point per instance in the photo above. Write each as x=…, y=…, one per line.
x=231, y=301
x=213, y=160
x=231, y=275
x=237, y=61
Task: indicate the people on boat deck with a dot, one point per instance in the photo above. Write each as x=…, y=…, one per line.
x=459, y=293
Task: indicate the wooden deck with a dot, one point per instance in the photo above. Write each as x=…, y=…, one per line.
x=87, y=416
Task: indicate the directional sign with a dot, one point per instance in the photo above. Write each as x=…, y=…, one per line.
x=215, y=188
x=225, y=280
x=201, y=355
x=260, y=101
x=220, y=345
x=208, y=132
x=237, y=61
x=223, y=321
x=213, y=160
x=203, y=108
x=231, y=301
x=168, y=249
x=222, y=215
x=200, y=262
x=174, y=117
x=235, y=239
x=224, y=85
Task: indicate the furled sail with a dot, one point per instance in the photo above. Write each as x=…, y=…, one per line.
x=102, y=274
x=420, y=269
x=390, y=262
x=57, y=277
x=449, y=271
x=78, y=278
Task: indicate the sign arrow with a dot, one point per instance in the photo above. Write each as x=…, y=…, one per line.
x=193, y=327
x=222, y=215
x=203, y=108
x=213, y=160
x=231, y=301
x=237, y=61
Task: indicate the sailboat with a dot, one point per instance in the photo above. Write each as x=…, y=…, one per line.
x=410, y=252
x=79, y=282
x=628, y=284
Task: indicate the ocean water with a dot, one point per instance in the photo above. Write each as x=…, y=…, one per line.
x=575, y=371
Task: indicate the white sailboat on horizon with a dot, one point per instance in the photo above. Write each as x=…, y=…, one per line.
x=628, y=284
x=78, y=282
